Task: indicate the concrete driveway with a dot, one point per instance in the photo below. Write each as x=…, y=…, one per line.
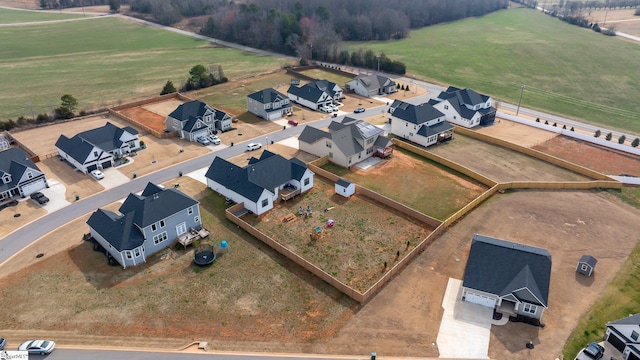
x=56, y=194
x=465, y=327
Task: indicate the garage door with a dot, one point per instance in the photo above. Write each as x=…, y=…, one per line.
x=633, y=356
x=33, y=187
x=90, y=168
x=616, y=342
x=106, y=164
x=481, y=300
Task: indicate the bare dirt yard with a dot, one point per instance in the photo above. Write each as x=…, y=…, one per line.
x=14, y=217
x=500, y=164
x=623, y=20
x=606, y=161
x=364, y=236
x=520, y=134
x=146, y=117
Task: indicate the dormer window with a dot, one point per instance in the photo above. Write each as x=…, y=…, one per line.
x=6, y=178
x=29, y=175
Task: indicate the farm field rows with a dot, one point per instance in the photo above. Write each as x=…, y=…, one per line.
x=558, y=63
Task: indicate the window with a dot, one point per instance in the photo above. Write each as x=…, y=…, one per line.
x=161, y=223
x=328, y=144
x=454, y=117
x=265, y=202
x=181, y=229
x=584, y=267
x=406, y=124
x=29, y=175
x=128, y=255
x=306, y=181
x=137, y=252
x=190, y=211
x=160, y=238
x=196, y=219
x=175, y=122
x=369, y=150
x=410, y=134
x=330, y=155
x=370, y=141
x=446, y=107
x=154, y=227
x=634, y=335
x=530, y=308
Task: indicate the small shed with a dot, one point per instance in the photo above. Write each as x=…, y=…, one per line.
x=586, y=265
x=345, y=188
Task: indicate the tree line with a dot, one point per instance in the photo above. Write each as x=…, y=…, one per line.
x=62, y=4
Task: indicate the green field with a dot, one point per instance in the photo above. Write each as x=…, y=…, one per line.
x=103, y=62
x=8, y=16
x=565, y=69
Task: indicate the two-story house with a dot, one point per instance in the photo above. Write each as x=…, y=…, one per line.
x=346, y=143
x=371, y=85
x=146, y=224
x=96, y=148
x=268, y=104
x=465, y=107
x=262, y=182
x=195, y=119
x=422, y=124
x=19, y=175
x=624, y=335
x=316, y=94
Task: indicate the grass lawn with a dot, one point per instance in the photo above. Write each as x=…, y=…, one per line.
x=565, y=69
x=8, y=16
x=321, y=74
x=620, y=299
x=103, y=62
x=417, y=183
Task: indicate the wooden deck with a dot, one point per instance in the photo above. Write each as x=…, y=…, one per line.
x=190, y=236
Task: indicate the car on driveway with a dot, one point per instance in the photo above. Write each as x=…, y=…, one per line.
x=97, y=174
x=293, y=122
x=203, y=140
x=358, y=110
x=593, y=351
x=39, y=197
x=39, y=347
x=253, y=146
x=215, y=140
x=3, y=342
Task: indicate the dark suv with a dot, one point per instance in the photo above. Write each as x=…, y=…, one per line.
x=592, y=351
x=40, y=198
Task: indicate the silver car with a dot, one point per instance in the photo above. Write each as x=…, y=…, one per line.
x=41, y=347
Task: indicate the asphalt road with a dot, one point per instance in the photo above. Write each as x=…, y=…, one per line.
x=68, y=354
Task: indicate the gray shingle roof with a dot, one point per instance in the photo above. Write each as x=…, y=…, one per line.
x=14, y=161
x=267, y=96
x=501, y=267
x=629, y=320
x=193, y=108
x=416, y=114
x=306, y=92
x=342, y=182
x=157, y=206
x=310, y=135
x=464, y=96
x=589, y=260
x=436, y=129
x=118, y=230
x=106, y=137
x=76, y=147
x=372, y=82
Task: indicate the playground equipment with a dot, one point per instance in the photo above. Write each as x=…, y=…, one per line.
x=330, y=223
x=204, y=255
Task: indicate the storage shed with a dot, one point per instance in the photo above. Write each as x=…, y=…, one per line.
x=345, y=188
x=586, y=265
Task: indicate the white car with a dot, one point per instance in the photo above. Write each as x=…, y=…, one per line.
x=41, y=347
x=325, y=109
x=333, y=108
x=97, y=174
x=253, y=146
x=215, y=140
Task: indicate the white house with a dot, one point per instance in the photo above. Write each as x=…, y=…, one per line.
x=422, y=124
x=371, y=85
x=346, y=143
x=315, y=94
x=268, y=104
x=465, y=107
x=195, y=119
x=19, y=175
x=623, y=335
x=262, y=182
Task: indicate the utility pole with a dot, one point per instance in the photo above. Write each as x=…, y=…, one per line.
x=520, y=101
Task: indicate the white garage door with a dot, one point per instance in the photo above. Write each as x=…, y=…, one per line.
x=481, y=300
x=33, y=187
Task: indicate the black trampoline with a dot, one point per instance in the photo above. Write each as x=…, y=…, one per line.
x=204, y=255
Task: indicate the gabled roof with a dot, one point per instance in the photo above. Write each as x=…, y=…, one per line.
x=76, y=147
x=195, y=108
x=119, y=230
x=629, y=320
x=343, y=182
x=158, y=205
x=266, y=173
x=16, y=162
x=106, y=137
x=267, y=96
x=309, y=93
x=372, y=82
x=343, y=138
x=416, y=114
x=435, y=129
x=194, y=124
x=502, y=267
x=345, y=135
x=589, y=260
x=310, y=135
x=464, y=96
x=326, y=86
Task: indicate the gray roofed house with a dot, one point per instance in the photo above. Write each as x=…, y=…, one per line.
x=195, y=119
x=315, y=94
x=346, y=143
x=262, y=182
x=371, y=85
x=465, y=107
x=624, y=336
x=19, y=175
x=96, y=148
x=421, y=124
x=268, y=104
x=147, y=223
x=586, y=265
x=510, y=277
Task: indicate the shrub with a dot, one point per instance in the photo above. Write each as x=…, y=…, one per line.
x=608, y=137
x=622, y=139
x=537, y=120
x=635, y=142
x=564, y=127
x=572, y=129
x=597, y=134
x=546, y=122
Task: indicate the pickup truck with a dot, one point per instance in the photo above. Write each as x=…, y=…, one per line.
x=39, y=197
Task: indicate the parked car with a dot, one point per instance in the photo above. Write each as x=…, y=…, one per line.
x=39, y=197
x=358, y=110
x=203, y=140
x=41, y=347
x=3, y=342
x=593, y=351
x=97, y=174
x=324, y=109
x=215, y=140
x=293, y=122
x=333, y=108
x=253, y=146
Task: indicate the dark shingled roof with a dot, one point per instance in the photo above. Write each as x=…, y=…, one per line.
x=310, y=135
x=464, y=96
x=629, y=320
x=416, y=114
x=76, y=147
x=267, y=96
x=589, y=260
x=106, y=137
x=156, y=206
x=436, y=129
x=306, y=92
x=14, y=161
x=342, y=182
x=119, y=230
x=193, y=108
x=501, y=267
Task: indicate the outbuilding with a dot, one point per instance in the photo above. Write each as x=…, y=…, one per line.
x=586, y=265
x=345, y=188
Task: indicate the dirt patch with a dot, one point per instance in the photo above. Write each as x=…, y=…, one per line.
x=145, y=117
x=606, y=161
x=14, y=217
x=164, y=108
x=623, y=20
x=520, y=134
x=75, y=182
x=500, y=164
